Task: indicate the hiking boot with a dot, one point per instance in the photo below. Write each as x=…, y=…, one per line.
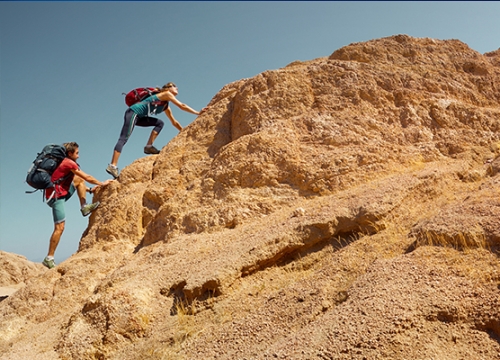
x=150, y=149
x=87, y=209
x=48, y=263
x=113, y=171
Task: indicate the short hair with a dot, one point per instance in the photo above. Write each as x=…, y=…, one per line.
x=71, y=147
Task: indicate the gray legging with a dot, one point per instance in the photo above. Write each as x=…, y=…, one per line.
x=131, y=119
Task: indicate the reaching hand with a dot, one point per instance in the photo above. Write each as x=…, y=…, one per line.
x=93, y=190
x=107, y=182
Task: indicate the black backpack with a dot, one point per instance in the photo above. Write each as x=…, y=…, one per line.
x=43, y=166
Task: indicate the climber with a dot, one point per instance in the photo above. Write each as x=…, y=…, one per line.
x=68, y=177
x=139, y=114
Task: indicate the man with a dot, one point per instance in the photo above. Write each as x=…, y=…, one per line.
x=68, y=178
x=139, y=114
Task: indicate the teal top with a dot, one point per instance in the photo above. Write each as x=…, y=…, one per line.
x=149, y=106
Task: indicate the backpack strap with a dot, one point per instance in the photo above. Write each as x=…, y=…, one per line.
x=57, y=182
x=54, y=193
x=52, y=196
x=31, y=192
x=43, y=193
x=61, y=179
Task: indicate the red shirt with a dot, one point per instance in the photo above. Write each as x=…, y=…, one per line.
x=62, y=170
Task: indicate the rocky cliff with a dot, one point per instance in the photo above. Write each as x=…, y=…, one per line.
x=345, y=207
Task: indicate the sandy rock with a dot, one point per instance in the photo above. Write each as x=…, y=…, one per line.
x=344, y=207
x=15, y=271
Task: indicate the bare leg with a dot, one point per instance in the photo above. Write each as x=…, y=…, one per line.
x=116, y=156
x=56, y=236
x=81, y=189
x=152, y=137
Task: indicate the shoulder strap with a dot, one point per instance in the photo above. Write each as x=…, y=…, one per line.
x=31, y=192
x=61, y=179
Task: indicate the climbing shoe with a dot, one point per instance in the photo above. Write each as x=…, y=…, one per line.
x=113, y=171
x=48, y=262
x=150, y=149
x=87, y=209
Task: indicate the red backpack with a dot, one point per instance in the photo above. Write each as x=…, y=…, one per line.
x=139, y=94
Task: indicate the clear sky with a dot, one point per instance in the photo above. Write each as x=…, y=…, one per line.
x=65, y=65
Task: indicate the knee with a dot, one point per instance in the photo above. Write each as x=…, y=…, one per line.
x=159, y=125
x=59, y=227
x=119, y=145
x=78, y=181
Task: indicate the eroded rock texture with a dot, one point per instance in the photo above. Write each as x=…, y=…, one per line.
x=345, y=207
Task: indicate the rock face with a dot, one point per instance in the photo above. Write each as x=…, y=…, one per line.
x=15, y=271
x=340, y=208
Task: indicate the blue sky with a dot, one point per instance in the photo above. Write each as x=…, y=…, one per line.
x=65, y=65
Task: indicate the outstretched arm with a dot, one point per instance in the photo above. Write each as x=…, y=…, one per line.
x=168, y=96
x=185, y=107
x=89, y=178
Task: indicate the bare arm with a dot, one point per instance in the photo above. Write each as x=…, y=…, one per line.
x=89, y=178
x=168, y=96
x=174, y=122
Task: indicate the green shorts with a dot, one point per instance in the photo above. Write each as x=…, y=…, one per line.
x=57, y=206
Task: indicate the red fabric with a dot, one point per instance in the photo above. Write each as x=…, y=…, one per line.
x=139, y=94
x=62, y=170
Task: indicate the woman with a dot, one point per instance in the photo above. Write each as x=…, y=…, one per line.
x=139, y=114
